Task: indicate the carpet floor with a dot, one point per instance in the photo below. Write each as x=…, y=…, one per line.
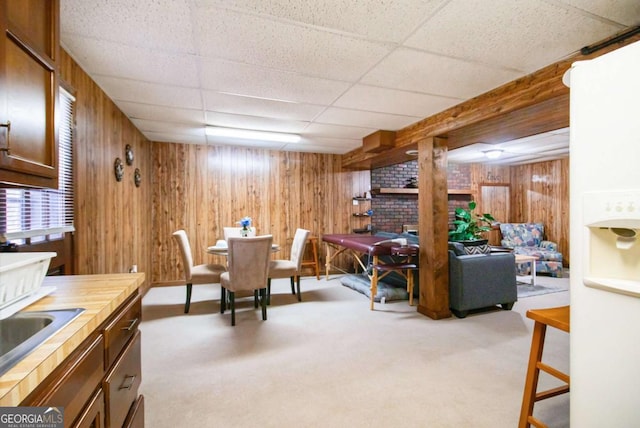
x=329, y=361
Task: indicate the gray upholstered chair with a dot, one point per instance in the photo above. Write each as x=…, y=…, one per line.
x=198, y=274
x=248, y=271
x=290, y=268
x=481, y=280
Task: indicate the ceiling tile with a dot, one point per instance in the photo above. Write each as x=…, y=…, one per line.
x=365, y=119
x=390, y=20
x=626, y=12
x=254, y=122
x=136, y=23
x=521, y=35
x=245, y=79
x=225, y=103
x=437, y=75
x=149, y=93
x=382, y=100
x=164, y=137
x=145, y=125
x=154, y=112
x=118, y=60
x=255, y=40
x=336, y=131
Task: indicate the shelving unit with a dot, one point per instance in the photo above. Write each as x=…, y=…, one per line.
x=360, y=218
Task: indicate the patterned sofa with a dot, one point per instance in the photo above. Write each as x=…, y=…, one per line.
x=528, y=239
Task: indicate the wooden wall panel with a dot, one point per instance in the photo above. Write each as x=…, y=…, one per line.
x=203, y=188
x=540, y=192
x=112, y=219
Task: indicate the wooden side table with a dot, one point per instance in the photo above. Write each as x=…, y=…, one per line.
x=520, y=259
x=313, y=241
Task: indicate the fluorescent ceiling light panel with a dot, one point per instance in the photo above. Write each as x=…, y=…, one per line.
x=252, y=135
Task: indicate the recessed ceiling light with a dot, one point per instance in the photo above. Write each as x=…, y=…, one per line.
x=412, y=152
x=493, y=153
x=251, y=135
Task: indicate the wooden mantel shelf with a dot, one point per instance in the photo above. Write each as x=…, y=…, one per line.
x=395, y=190
x=413, y=191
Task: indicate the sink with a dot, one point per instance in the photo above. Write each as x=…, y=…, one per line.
x=22, y=332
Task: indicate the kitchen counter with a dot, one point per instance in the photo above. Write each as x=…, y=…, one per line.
x=99, y=295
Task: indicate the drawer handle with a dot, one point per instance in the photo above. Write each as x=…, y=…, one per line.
x=132, y=324
x=8, y=148
x=131, y=379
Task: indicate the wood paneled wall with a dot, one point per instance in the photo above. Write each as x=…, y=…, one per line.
x=204, y=188
x=112, y=219
x=540, y=192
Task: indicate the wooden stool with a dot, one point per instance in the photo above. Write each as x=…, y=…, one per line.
x=554, y=317
x=313, y=262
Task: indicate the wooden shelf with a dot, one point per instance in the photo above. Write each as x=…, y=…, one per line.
x=397, y=191
x=413, y=191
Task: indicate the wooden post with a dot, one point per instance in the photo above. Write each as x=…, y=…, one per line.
x=433, y=221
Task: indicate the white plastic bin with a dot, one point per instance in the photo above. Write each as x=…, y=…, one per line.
x=21, y=274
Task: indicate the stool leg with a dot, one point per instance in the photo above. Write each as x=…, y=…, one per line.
x=533, y=372
x=410, y=286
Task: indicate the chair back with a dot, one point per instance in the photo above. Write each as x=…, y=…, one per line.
x=181, y=238
x=249, y=262
x=234, y=232
x=297, y=248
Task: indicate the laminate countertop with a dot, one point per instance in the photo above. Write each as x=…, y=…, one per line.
x=99, y=295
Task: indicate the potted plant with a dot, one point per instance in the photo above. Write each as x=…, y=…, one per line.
x=469, y=226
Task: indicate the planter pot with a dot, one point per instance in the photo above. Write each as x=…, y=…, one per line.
x=474, y=242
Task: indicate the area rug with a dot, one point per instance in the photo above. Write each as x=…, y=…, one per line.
x=544, y=285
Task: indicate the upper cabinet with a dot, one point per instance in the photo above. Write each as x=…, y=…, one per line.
x=29, y=49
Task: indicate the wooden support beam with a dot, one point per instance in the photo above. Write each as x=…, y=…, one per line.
x=433, y=221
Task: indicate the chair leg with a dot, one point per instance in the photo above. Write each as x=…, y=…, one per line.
x=232, y=305
x=533, y=372
x=268, y=291
x=263, y=301
x=223, y=299
x=255, y=299
x=293, y=289
x=188, y=301
x=299, y=295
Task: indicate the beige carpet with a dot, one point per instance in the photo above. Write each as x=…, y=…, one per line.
x=330, y=362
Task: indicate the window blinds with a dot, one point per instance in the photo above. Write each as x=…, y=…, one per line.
x=37, y=213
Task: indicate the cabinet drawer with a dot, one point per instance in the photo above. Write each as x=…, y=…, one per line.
x=93, y=414
x=135, y=418
x=122, y=383
x=118, y=332
x=76, y=384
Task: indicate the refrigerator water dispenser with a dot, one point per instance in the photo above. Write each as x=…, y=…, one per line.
x=612, y=250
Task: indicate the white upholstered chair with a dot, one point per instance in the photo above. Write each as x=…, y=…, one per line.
x=198, y=274
x=248, y=260
x=290, y=268
x=234, y=232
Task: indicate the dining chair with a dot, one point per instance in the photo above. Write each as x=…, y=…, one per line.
x=248, y=260
x=234, y=232
x=290, y=268
x=198, y=274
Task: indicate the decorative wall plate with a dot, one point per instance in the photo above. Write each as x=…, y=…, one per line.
x=128, y=154
x=137, y=177
x=118, y=168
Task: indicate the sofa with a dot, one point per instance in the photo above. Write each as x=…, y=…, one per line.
x=480, y=280
x=528, y=239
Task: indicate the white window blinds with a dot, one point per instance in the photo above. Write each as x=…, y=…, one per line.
x=39, y=213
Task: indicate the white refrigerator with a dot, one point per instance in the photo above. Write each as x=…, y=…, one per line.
x=605, y=240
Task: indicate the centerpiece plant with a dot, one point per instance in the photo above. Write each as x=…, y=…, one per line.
x=469, y=226
x=245, y=223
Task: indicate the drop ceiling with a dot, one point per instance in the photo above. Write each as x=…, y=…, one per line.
x=331, y=71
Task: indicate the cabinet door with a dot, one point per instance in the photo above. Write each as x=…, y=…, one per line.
x=93, y=415
x=122, y=383
x=28, y=92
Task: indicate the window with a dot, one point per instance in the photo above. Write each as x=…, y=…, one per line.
x=35, y=215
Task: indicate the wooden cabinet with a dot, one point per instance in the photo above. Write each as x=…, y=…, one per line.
x=29, y=47
x=361, y=215
x=97, y=385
